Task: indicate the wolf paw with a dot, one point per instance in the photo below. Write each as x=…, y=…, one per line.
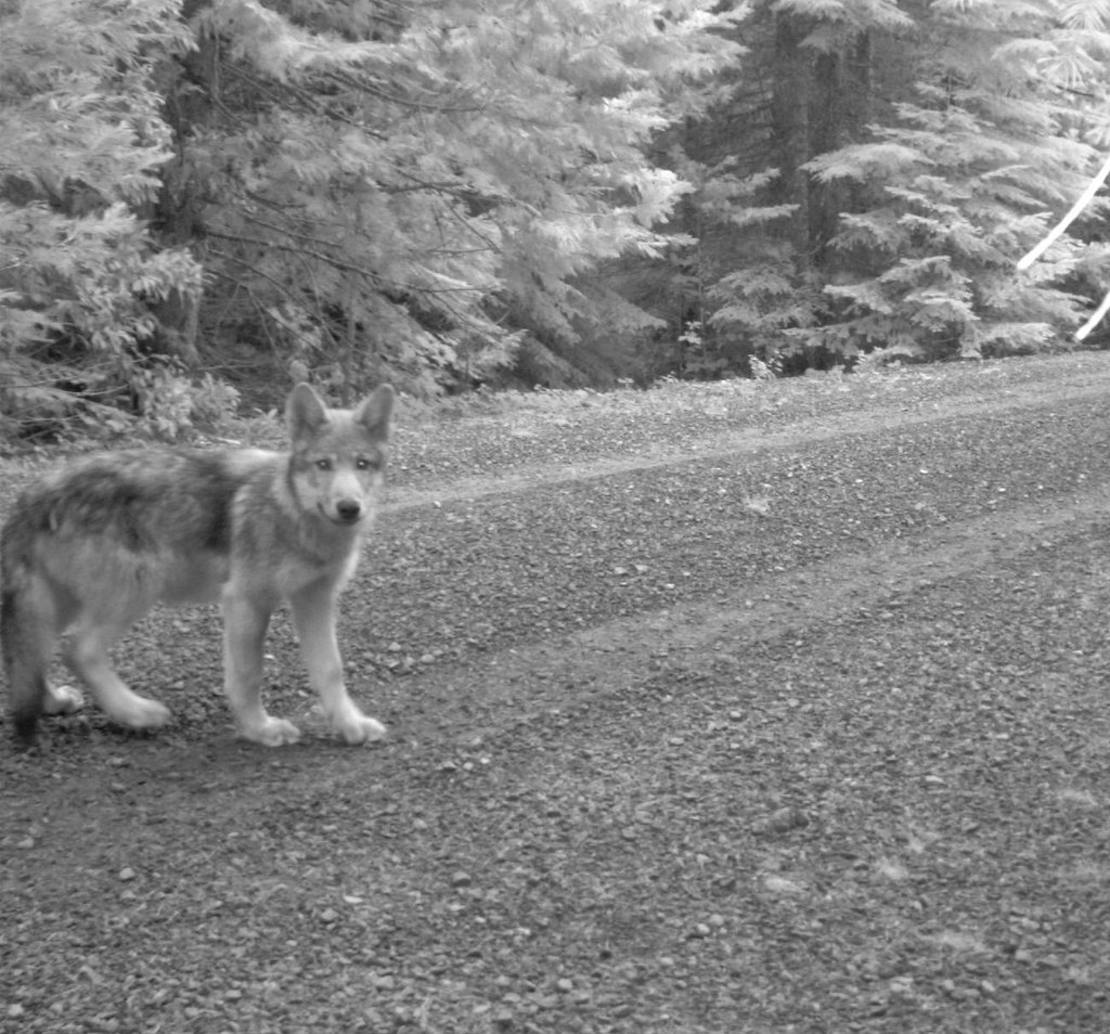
x=271, y=732
x=355, y=729
x=140, y=714
x=62, y=700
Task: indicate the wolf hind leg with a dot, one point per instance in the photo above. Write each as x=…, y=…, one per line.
x=245, y=622
x=314, y=618
x=87, y=655
x=30, y=618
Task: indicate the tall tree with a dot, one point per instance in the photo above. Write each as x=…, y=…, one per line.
x=959, y=182
x=424, y=188
x=811, y=80
x=83, y=143
x=920, y=147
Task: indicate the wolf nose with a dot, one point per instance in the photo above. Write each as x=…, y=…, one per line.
x=348, y=510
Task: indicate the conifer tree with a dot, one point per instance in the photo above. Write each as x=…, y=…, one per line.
x=960, y=181
x=805, y=83
x=431, y=191
x=910, y=153
x=423, y=187
x=83, y=142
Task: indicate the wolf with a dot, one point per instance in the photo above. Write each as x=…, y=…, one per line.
x=93, y=548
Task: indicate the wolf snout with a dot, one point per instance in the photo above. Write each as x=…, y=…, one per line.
x=348, y=510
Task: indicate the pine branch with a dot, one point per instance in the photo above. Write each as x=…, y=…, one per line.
x=379, y=281
x=227, y=256
x=310, y=102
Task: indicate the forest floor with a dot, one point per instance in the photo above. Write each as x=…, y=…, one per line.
x=745, y=707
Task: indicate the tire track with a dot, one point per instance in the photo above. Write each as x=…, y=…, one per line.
x=519, y=683
x=747, y=441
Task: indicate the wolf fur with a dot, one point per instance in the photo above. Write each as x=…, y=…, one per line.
x=94, y=547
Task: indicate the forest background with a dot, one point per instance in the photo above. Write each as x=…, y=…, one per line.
x=201, y=200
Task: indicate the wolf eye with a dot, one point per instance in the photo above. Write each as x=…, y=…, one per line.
x=323, y=464
x=362, y=463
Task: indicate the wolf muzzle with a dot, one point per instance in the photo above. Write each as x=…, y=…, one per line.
x=348, y=511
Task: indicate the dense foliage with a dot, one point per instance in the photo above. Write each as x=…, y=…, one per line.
x=914, y=150
x=203, y=193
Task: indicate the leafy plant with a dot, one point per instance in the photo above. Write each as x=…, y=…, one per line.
x=170, y=405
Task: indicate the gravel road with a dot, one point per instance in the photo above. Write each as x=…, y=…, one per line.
x=725, y=708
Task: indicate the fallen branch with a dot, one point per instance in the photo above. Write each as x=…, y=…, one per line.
x=1063, y=224
x=1095, y=319
x=1081, y=203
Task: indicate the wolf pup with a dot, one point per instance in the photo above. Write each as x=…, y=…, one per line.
x=93, y=548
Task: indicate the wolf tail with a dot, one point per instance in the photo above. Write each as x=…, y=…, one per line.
x=28, y=622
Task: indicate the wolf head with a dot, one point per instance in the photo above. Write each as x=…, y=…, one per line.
x=338, y=458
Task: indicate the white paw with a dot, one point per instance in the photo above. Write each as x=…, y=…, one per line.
x=62, y=700
x=141, y=714
x=271, y=732
x=359, y=728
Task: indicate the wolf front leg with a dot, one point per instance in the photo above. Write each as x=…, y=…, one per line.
x=246, y=619
x=314, y=617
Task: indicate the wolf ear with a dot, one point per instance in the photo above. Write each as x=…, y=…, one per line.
x=304, y=411
x=375, y=411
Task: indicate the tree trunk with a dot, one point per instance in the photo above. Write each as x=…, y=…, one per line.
x=839, y=116
x=790, y=109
